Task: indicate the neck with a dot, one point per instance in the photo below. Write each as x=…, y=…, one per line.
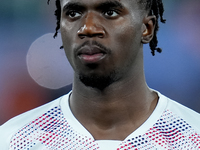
x=124, y=104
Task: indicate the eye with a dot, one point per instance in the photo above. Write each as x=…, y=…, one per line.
x=73, y=14
x=111, y=13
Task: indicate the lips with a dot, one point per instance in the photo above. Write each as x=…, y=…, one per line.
x=91, y=54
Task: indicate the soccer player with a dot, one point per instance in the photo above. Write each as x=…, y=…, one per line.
x=110, y=106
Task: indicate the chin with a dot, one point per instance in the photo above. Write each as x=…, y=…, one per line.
x=97, y=81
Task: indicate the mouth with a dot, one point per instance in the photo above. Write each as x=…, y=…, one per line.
x=90, y=54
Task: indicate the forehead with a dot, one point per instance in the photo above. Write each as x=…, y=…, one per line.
x=94, y=3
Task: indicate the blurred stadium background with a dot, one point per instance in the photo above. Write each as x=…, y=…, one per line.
x=175, y=72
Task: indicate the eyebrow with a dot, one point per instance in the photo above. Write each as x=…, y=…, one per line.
x=101, y=6
x=74, y=6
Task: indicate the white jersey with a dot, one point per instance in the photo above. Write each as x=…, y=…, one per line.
x=53, y=127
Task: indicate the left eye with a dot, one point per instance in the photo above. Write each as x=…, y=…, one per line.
x=111, y=13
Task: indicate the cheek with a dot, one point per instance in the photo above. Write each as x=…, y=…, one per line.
x=65, y=33
x=127, y=43
x=128, y=38
x=67, y=40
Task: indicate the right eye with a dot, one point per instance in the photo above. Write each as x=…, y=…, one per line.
x=73, y=14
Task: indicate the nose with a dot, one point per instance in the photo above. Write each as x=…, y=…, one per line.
x=91, y=27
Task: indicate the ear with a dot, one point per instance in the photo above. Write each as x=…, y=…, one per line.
x=148, y=29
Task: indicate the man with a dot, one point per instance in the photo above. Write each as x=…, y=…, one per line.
x=110, y=106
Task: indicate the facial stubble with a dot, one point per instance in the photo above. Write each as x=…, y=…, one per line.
x=97, y=81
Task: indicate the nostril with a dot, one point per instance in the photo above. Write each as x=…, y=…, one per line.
x=91, y=30
x=100, y=35
x=81, y=36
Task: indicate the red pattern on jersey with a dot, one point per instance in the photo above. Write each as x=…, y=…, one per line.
x=53, y=132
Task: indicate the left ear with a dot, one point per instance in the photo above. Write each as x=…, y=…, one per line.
x=148, y=29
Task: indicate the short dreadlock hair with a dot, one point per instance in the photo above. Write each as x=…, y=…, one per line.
x=154, y=7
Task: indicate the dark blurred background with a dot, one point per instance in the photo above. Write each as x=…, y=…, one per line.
x=175, y=72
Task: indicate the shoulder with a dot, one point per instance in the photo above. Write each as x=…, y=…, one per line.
x=177, y=110
x=177, y=126
x=15, y=124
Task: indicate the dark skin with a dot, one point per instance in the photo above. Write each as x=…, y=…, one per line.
x=122, y=27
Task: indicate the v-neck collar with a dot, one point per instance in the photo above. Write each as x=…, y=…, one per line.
x=79, y=128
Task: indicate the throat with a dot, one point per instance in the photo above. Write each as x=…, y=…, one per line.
x=111, y=123
x=113, y=115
